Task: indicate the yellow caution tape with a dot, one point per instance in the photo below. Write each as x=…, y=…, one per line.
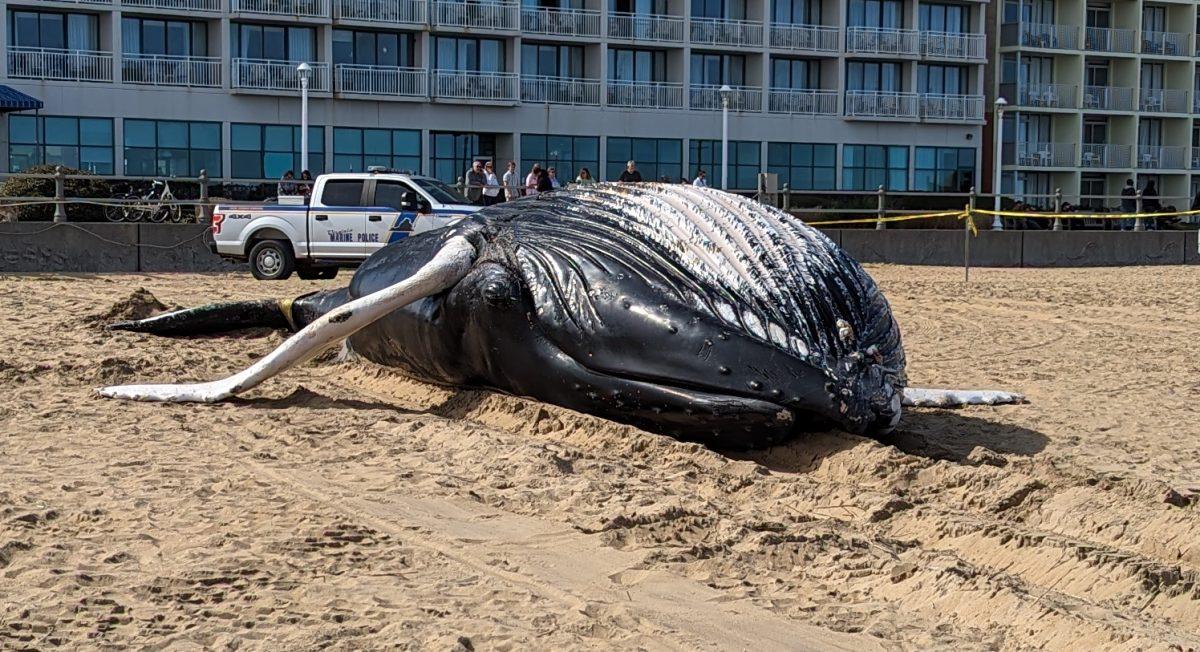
x=1085, y=216
x=894, y=218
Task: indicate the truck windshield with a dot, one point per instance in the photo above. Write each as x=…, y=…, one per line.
x=441, y=192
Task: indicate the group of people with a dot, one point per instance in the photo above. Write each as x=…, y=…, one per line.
x=289, y=185
x=485, y=188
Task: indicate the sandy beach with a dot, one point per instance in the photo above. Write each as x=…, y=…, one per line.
x=343, y=506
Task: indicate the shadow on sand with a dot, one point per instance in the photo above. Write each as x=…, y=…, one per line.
x=303, y=397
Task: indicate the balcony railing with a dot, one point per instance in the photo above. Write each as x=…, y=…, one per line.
x=560, y=22
x=495, y=15
x=1107, y=98
x=645, y=95
x=87, y=2
x=802, y=102
x=648, y=27
x=1046, y=155
x=1049, y=96
x=957, y=108
x=1108, y=39
x=805, y=38
x=1171, y=44
x=472, y=85
x=272, y=75
x=389, y=12
x=306, y=8
x=560, y=90
x=881, y=40
x=881, y=104
x=1040, y=35
x=1162, y=157
x=185, y=5
x=1162, y=100
x=953, y=45
x=64, y=65
x=720, y=31
x=162, y=70
x=380, y=80
x=1105, y=155
x=706, y=97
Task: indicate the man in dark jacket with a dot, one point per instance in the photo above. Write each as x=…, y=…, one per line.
x=1128, y=203
x=476, y=180
x=631, y=174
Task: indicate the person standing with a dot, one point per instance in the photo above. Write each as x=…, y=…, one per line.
x=512, y=182
x=701, y=180
x=491, y=186
x=631, y=174
x=544, y=184
x=1128, y=204
x=306, y=188
x=287, y=184
x=585, y=178
x=1150, y=204
x=531, y=180
x=476, y=179
x=553, y=173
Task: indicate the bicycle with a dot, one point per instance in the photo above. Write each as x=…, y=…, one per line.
x=156, y=206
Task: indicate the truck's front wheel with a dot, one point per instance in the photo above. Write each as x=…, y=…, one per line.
x=272, y=260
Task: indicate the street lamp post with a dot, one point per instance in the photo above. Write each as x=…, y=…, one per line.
x=1001, y=103
x=305, y=72
x=725, y=92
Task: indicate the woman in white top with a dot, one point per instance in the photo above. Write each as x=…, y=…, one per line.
x=491, y=185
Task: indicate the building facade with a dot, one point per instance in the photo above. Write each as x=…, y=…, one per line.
x=828, y=94
x=1098, y=92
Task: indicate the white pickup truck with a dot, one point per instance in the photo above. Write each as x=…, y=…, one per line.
x=348, y=218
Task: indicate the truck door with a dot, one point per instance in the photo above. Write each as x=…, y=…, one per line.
x=336, y=221
x=394, y=204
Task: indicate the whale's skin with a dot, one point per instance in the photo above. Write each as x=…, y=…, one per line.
x=685, y=311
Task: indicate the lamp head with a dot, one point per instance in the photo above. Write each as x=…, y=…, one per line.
x=1001, y=103
x=304, y=69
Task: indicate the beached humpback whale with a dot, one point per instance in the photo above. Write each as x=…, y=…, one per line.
x=686, y=311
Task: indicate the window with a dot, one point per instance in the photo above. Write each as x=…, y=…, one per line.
x=717, y=69
x=469, y=54
x=937, y=79
x=44, y=29
x=452, y=153
x=274, y=42
x=552, y=60
x=567, y=154
x=1091, y=191
x=655, y=157
x=796, y=12
x=639, y=6
x=342, y=192
x=872, y=76
x=944, y=18
x=637, y=65
x=866, y=167
x=727, y=9
x=391, y=194
x=744, y=158
x=803, y=166
x=168, y=148
x=372, y=48
x=944, y=169
x=170, y=37
x=795, y=74
x=267, y=151
x=1095, y=131
x=355, y=150
x=80, y=143
x=876, y=13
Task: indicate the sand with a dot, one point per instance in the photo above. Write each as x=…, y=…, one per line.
x=344, y=506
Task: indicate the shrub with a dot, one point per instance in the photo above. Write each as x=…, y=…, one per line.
x=20, y=186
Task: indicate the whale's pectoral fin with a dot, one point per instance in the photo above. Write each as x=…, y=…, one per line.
x=944, y=398
x=446, y=269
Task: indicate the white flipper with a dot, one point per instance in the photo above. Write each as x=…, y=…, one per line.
x=918, y=397
x=446, y=268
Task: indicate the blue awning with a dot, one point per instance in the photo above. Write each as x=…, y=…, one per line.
x=12, y=99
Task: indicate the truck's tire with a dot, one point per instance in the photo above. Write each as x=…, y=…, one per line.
x=272, y=260
x=316, y=273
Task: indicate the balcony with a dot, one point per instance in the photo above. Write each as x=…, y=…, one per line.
x=1162, y=157
x=560, y=90
x=1167, y=44
x=952, y=108
x=1040, y=35
x=215, y=6
x=805, y=38
x=353, y=79
x=271, y=75
x=1107, y=98
x=560, y=22
x=1108, y=39
x=881, y=40
x=648, y=27
x=1045, y=155
x=475, y=86
x=719, y=31
x=953, y=45
x=802, y=102
x=60, y=65
x=1107, y=156
x=704, y=97
x=1162, y=100
x=163, y=70
x=384, y=12
x=1041, y=96
x=301, y=8
x=645, y=95
x=503, y=16
x=881, y=104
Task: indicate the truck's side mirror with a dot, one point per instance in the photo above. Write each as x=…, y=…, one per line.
x=410, y=201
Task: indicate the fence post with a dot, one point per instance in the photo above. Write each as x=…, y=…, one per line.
x=1057, y=207
x=787, y=197
x=204, y=215
x=967, y=222
x=60, y=194
x=881, y=209
x=1138, y=223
